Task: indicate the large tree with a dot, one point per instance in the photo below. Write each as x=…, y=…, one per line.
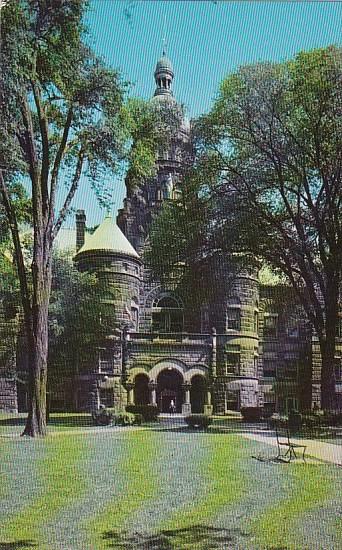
x=61, y=115
x=268, y=157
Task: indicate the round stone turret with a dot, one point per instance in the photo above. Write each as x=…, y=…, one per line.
x=233, y=310
x=109, y=254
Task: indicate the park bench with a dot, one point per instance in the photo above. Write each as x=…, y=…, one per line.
x=286, y=447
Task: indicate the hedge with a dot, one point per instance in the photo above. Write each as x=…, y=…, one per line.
x=251, y=414
x=148, y=412
x=201, y=421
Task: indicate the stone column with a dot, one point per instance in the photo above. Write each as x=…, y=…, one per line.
x=186, y=407
x=95, y=402
x=130, y=394
x=214, y=352
x=153, y=393
x=208, y=408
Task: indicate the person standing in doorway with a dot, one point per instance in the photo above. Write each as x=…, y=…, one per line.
x=172, y=406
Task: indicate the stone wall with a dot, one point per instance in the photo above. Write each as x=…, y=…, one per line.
x=8, y=343
x=8, y=395
x=285, y=347
x=145, y=355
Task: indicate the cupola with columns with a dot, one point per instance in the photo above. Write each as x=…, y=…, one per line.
x=163, y=76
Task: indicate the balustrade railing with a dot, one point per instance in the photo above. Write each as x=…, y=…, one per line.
x=181, y=337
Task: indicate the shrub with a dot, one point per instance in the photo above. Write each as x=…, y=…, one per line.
x=278, y=420
x=201, y=421
x=267, y=412
x=124, y=419
x=311, y=421
x=251, y=414
x=103, y=417
x=332, y=419
x=138, y=419
x=148, y=412
x=295, y=421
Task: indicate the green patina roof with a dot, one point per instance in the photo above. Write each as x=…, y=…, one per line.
x=108, y=237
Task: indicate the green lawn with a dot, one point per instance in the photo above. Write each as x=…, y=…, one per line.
x=157, y=488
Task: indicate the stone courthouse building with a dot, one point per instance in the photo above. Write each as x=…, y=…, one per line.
x=248, y=345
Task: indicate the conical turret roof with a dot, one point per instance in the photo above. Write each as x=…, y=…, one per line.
x=108, y=237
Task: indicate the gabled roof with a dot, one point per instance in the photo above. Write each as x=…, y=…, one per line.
x=108, y=237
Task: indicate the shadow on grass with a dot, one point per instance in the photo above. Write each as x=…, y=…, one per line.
x=212, y=430
x=12, y=421
x=58, y=420
x=195, y=536
x=71, y=421
x=17, y=544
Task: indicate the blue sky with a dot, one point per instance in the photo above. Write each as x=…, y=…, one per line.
x=205, y=41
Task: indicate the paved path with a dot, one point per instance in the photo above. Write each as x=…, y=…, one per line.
x=328, y=452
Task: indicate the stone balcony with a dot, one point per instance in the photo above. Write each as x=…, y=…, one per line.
x=170, y=338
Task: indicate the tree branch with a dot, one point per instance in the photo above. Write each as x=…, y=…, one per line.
x=73, y=188
x=13, y=223
x=31, y=155
x=44, y=131
x=58, y=160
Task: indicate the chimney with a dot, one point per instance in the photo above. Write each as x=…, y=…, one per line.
x=80, y=228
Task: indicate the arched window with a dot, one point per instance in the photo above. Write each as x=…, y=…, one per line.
x=167, y=315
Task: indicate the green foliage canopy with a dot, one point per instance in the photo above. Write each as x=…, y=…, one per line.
x=268, y=164
x=81, y=317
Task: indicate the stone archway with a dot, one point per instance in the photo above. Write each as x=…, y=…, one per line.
x=198, y=393
x=141, y=389
x=169, y=388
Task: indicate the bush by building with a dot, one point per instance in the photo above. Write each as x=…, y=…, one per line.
x=201, y=421
x=149, y=413
x=107, y=417
x=251, y=414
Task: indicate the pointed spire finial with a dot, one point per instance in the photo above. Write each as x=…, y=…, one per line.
x=110, y=206
x=164, y=36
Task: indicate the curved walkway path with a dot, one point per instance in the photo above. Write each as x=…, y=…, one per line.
x=327, y=452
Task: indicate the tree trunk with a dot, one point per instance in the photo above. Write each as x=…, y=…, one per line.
x=328, y=397
x=37, y=349
x=328, y=347
x=38, y=352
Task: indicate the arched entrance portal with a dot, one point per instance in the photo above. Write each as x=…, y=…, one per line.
x=141, y=391
x=197, y=393
x=169, y=388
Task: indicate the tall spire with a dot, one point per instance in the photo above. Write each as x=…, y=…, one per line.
x=163, y=73
x=164, y=37
x=164, y=46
